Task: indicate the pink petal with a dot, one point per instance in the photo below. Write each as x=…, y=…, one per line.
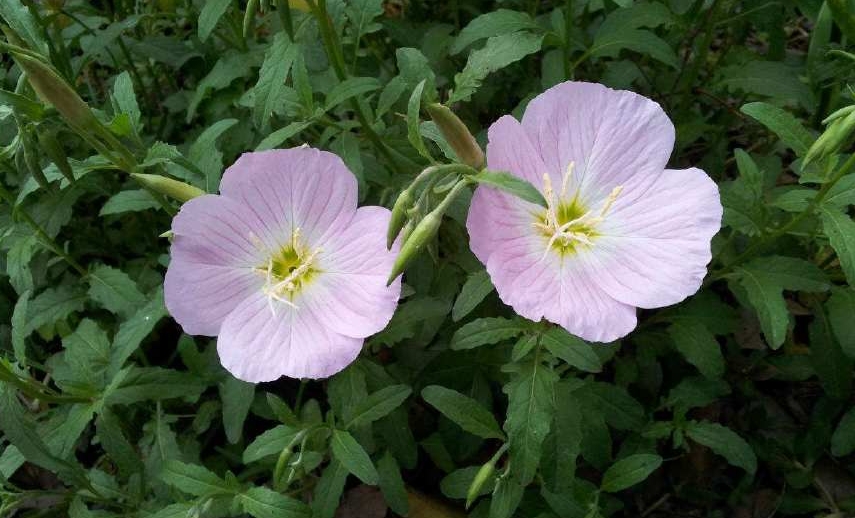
x=352, y=282
x=655, y=246
x=256, y=345
x=494, y=217
x=559, y=289
x=510, y=149
x=216, y=245
x=294, y=188
x=615, y=137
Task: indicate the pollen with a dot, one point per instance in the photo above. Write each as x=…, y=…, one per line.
x=566, y=224
x=288, y=271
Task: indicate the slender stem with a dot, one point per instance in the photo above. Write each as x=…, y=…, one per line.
x=330, y=39
x=48, y=241
x=298, y=402
x=771, y=236
x=697, y=63
x=284, y=11
x=36, y=390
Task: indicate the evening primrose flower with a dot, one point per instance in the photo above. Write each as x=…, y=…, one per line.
x=620, y=231
x=282, y=267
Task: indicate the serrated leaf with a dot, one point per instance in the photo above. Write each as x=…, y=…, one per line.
x=782, y=123
x=507, y=496
x=134, y=330
x=698, y=346
x=193, y=479
x=485, y=331
x=413, y=109
x=531, y=404
x=20, y=20
x=622, y=29
x=511, y=184
x=52, y=305
x=494, y=23
x=830, y=364
x=392, y=485
x=572, y=350
x=463, y=410
x=115, y=291
x=271, y=78
x=212, y=11
x=271, y=442
x=725, y=442
x=350, y=88
x=237, y=397
x=620, y=410
x=203, y=153
x=133, y=200
x=378, y=405
x=261, y=502
x=840, y=230
x=352, y=456
x=629, y=471
x=476, y=287
x=499, y=52
x=19, y=319
x=329, y=489
x=841, y=308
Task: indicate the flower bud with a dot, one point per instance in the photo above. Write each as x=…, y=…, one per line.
x=172, y=188
x=457, y=135
x=422, y=234
x=52, y=88
x=840, y=129
x=482, y=477
x=399, y=216
x=249, y=17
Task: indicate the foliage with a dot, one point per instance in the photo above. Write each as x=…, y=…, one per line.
x=736, y=402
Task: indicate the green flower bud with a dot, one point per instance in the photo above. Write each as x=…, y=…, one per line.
x=53, y=89
x=457, y=135
x=172, y=188
x=483, y=476
x=835, y=136
x=54, y=150
x=422, y=234
x=399, y=216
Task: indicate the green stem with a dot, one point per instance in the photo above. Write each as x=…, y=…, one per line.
x=760, y=244
x=697, y=63
x=36, y=390
x=333, y=48
x=48, y=241
x=284, y=11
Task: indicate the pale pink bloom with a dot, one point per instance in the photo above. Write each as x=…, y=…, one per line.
x=621, y=232
x=282, y=266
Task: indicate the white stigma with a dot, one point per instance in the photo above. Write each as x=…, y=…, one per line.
x=282, y=290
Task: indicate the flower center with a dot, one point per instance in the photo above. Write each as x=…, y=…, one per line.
x=567, y=224
x=288, y=270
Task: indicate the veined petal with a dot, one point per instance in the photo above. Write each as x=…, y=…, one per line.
x=614, y=137
x=351, y=285
x=510, y=149
x=256, y=345
x=301, y=188
x=655, y=247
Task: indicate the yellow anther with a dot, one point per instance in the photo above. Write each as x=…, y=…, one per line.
x=565, y=182
x=611, y=199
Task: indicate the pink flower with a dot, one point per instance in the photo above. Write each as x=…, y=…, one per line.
x=282, y=266
x=621, y=231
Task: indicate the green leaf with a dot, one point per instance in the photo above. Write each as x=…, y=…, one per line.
x=572, y=350
x=115, y=291
x=781, y=123
x=134, y=200
x=512, y=184
x=116, y=444
x=19, y=19
x=133, y=331
x=271, y=442
x=231, y=66
x=841, y=308
x=698, y=346
x=125, y=100
x=832, y=366
x=629, y=471
x=531, y=404
x=155, y=383
x=205, y=155
x=413, y=109
x=271, y=79
x=620, y=409
x=261, y=502
x=329, y=489
x=843, y=439
x=19, y=319
x=237, y=397
x=409, y=318
x=499, y=52
x=193, y=479
x=87, y=353
x=774, y=79
x=622, y=30
x=494, y=23
x=724, y=442
x=212, y=11
x=350, y=88
x=463, y=410
x=51, y=306
x=392, y=485
x=352, y=456
x=278, y=137
x=485, y=331
x=506, y=498
x=378, y=405
x=476, y=287
x=840, y=230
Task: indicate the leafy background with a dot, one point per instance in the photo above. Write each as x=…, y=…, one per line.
x=737, y=402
